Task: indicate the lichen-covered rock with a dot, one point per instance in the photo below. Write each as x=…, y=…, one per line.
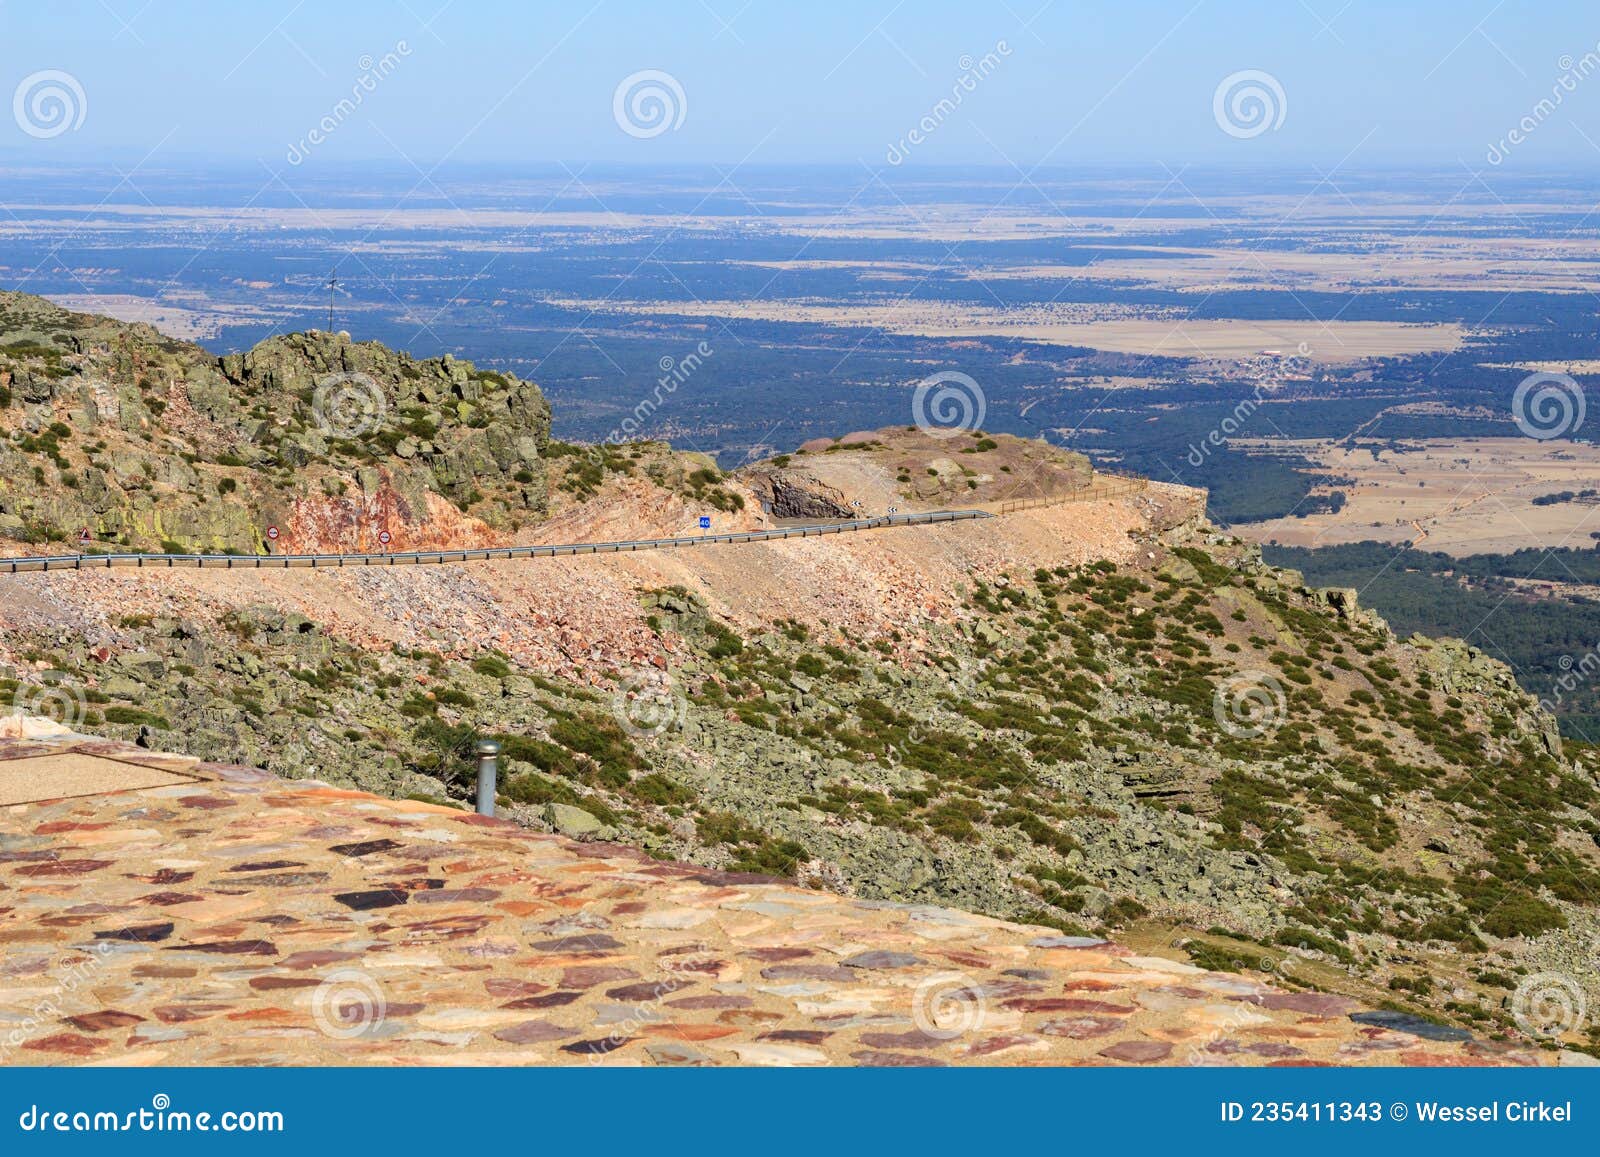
x=573, y=822
x=153, y=444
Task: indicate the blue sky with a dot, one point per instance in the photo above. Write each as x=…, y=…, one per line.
x=1362, y=83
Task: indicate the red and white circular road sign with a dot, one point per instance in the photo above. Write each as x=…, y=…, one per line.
x=272, y=533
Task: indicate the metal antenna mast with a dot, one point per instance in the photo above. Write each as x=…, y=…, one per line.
x=333, y=284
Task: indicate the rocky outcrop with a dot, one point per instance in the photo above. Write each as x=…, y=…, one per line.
x=1460, y=669
x=797, y=494
x=152, y=444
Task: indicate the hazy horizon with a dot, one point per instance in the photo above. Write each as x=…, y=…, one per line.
x=1024, y=87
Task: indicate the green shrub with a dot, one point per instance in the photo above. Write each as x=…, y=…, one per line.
x=491, y=665
x=657, y=789
x=134, y=716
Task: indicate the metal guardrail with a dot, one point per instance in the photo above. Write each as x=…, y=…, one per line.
x=1119, y=489
x=437, y=557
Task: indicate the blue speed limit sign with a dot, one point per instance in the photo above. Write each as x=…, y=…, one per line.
x=705, y=522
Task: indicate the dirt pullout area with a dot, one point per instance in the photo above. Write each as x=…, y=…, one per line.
x=1459, y=495
x=581, y=617
x=910, y=468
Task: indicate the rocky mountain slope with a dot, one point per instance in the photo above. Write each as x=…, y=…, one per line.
x=1096, y=714
x=151, y=444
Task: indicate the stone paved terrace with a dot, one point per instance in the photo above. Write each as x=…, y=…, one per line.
x=232, y=918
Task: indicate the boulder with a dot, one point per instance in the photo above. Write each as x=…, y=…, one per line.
x=572, y=822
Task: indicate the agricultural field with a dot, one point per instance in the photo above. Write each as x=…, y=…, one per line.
x=1461, y=496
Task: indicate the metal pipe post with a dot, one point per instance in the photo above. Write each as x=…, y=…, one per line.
x=488, y=752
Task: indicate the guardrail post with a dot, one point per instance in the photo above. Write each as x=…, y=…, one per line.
x=488, y=752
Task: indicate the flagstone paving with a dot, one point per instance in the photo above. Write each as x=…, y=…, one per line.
x=235, y=919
